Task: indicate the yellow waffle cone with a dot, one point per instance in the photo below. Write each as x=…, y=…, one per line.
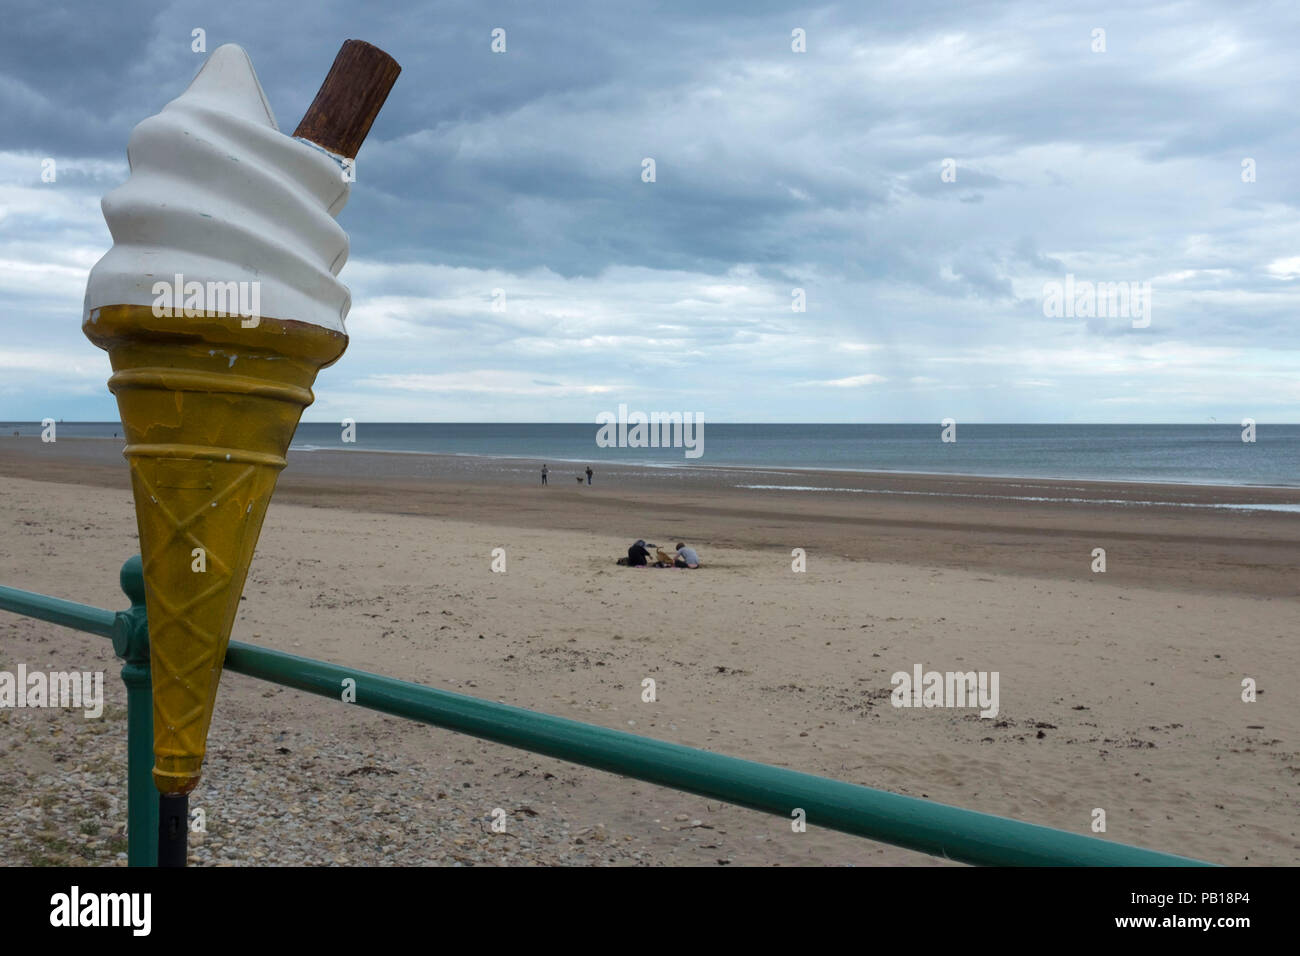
x=209, y=409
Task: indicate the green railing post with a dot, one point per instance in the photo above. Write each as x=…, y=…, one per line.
x=131, y=643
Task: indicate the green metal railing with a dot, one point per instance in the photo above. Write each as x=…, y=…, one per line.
x=934, y=828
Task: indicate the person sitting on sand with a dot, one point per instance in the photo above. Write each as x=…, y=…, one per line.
x=637, y=555
x=686, y=557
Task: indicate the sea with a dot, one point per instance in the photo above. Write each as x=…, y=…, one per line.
x=1211, y=453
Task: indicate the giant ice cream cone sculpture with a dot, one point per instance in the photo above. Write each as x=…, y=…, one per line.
x=217, y=304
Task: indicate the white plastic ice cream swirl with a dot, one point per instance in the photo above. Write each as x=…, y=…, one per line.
x=218, y=194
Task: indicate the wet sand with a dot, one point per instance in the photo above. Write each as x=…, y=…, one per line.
x=951, y=521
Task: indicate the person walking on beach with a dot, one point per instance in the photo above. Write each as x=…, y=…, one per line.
x=544, y=471
x=589, y=474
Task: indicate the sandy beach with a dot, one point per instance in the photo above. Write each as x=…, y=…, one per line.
x=1118, y=690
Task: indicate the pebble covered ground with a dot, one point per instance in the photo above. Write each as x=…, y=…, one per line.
x=286, y=783
x=297, y=801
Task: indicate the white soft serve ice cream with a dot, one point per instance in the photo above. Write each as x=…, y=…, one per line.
x=218, y=194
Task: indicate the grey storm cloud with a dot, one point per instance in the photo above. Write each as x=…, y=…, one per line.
x=775, y=170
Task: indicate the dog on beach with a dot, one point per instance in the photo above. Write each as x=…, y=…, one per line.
x=578, y=479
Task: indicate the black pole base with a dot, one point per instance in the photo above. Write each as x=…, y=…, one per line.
x=173, y=828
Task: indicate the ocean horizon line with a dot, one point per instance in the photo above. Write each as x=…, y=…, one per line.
x=1218, y=453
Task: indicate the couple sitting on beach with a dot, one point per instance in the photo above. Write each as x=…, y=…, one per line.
x=638, y=556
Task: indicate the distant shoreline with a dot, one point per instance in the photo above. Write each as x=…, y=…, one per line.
x=780, y=469
x=704, y=470
x=1177, y=536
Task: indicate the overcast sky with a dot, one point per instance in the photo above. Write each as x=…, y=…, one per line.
x=775, y=170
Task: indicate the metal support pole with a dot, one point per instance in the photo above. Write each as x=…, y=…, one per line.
x=173, y=828
x=131, y=643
